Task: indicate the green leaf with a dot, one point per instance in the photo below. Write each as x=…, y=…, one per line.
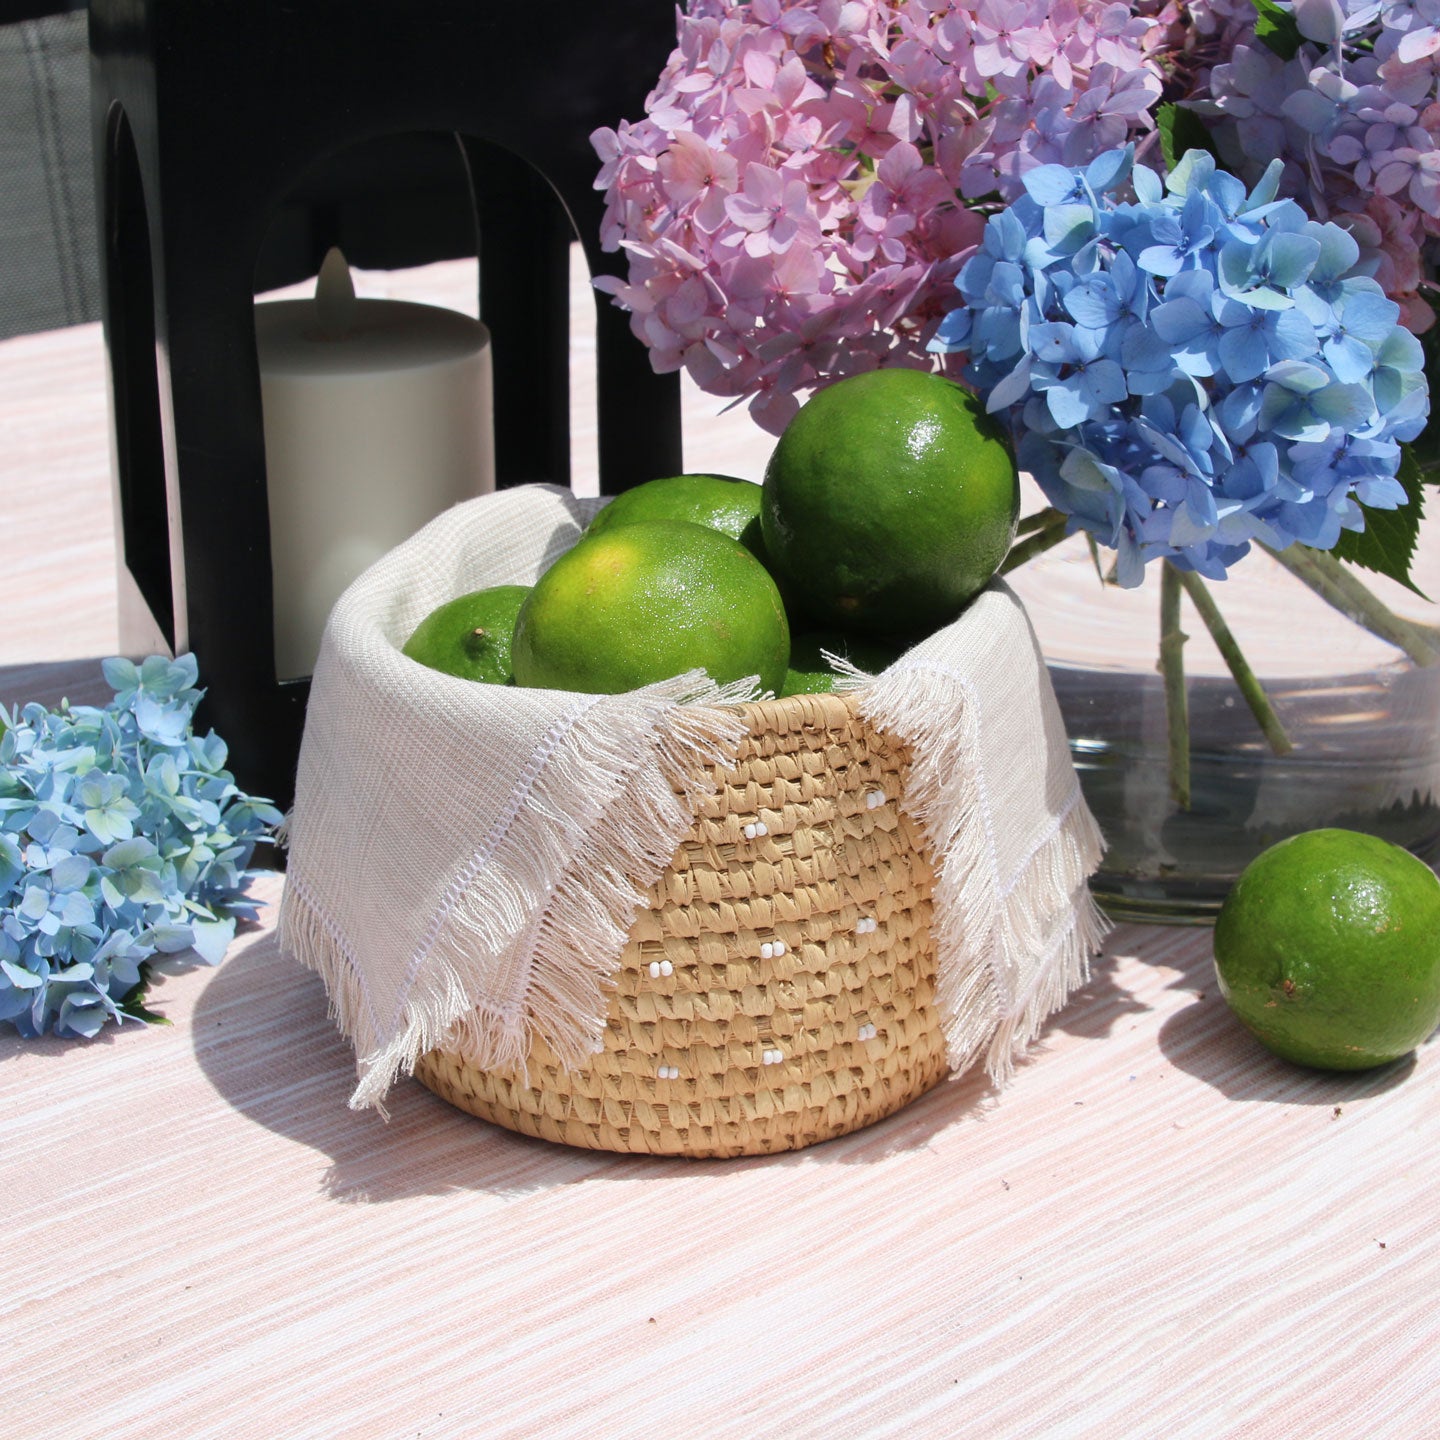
x=1181, y=130
x=1387, y=544
x=1277, y=28
x=133, y=1001
x=1425, y=448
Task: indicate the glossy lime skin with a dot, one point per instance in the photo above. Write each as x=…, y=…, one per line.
x=721, y=502
x=1328, y=950
x=645, y=602
x=809, y=673
x=471, y=635
x=889, y=501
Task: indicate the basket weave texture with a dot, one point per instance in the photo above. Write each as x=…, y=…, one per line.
x=778, y=989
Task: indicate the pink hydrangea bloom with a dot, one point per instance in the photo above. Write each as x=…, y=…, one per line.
x=810, y=174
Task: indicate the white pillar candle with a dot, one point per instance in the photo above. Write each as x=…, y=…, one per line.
x=378, y=416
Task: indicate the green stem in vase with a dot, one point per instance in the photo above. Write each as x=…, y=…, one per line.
x=1335, y=585
x=1040, y=520
x=1037, y=543
x=1420, y=644
x=1229, y=648
x=1172, y=668
x=1095, y=560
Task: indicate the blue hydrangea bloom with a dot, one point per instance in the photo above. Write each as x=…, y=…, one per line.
x=122, y=836
x=1191, y=369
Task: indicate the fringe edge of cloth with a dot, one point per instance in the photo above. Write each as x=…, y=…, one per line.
x=608, y=809
x=991, y=931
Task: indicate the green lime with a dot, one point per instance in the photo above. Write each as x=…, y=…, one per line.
x=471, y=635
x=890, y=499
x=721, y=502
x=1328, y=950
x=644, y=602
x=810, y=673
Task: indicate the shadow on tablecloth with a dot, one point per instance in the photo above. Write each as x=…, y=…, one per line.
x=264, y=1039
x=1199, y=1035
x=1207, y=1041
x=82, y=682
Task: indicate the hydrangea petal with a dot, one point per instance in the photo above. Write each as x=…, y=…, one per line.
x=1177, y=322
x=1104, y=381
x=1186, y=530
x=120, y=673
x=1012, y=389
x=71, y=872
x=1346, y=406
x=1401, y=351
x=1384, y=493
x=1370, y=317
x=1068, y=405
x=1094, y=303
x=1244, y=353
x=21, y=978
x=1350, y=358
x=211, y=939
x=1067, y=227
x=1051, y=185
x=1148, y=186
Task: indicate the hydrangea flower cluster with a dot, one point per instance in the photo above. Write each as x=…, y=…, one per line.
x=1354, y=113
x=122, y=836
x=1191, y=370
x=795, y=200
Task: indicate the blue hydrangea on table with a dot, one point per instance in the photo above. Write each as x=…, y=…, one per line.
x=123, y=838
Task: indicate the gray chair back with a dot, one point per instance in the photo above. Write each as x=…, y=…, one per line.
x=49, y=254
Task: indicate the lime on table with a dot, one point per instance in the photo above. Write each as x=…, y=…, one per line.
x=1328, y=950
x=644, y=602
x=810, y=673
x=721, y=502
x=890, y=499
x=471, y=635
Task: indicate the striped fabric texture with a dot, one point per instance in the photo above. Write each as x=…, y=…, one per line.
x=1154, y=1230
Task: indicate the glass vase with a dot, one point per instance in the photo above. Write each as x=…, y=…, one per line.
x=1362, y=717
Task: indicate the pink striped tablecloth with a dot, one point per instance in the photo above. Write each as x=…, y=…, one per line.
x=1156, y=1230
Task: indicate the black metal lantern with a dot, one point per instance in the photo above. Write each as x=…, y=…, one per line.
x=208, y=119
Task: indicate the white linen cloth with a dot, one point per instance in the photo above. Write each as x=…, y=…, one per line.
x=465, y=860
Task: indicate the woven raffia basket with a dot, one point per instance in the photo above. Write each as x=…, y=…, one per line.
x=779, y=989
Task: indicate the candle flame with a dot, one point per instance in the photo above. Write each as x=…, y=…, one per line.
x=335, y=296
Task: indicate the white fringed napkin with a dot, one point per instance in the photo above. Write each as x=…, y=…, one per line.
x=465, y=860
